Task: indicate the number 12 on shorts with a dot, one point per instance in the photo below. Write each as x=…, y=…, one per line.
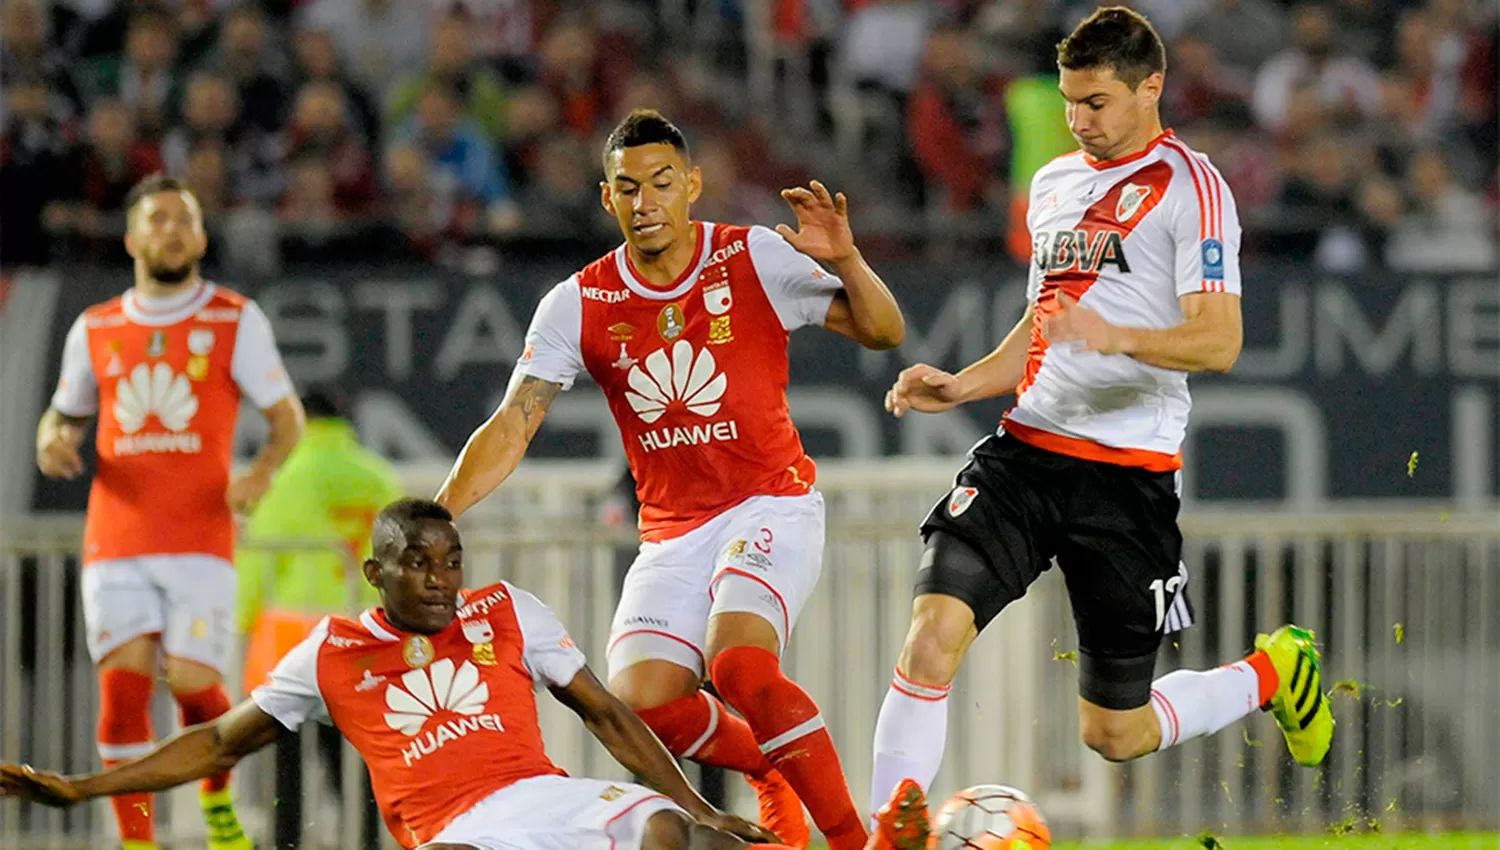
x=1161, y=590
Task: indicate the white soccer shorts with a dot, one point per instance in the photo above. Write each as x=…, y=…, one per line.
x=558, y=813
x=762, y=556
x=187, y=599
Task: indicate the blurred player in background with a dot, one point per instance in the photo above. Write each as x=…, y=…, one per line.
x=1134, y=284
x=436, y=689
x=330, y=488
x=685, y=328
x=164, y=367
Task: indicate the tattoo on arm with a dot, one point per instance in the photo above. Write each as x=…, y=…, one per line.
x=532, y=397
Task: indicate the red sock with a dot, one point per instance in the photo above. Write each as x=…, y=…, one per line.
x=700, y=728
x=201, y=707
x=125, y=733
x=1265, y=672
x=790, y=730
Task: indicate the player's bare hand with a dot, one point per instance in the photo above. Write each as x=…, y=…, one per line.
x=923, y=388
x=1077, y=324
x=60, y=458
x=822, y=223
x=246, y=491
x=739, y=827
x=49, y=789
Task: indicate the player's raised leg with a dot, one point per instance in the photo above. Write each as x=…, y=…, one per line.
x=766, y=572
x=656, y=666
x=199, y=593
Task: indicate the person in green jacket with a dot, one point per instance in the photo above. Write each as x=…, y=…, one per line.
x=325, y=497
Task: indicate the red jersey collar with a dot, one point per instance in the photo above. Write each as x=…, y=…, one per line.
x=1101, y=165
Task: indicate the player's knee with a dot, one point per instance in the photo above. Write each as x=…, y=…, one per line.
x=667, y=830
x=1116, y=736
x=649, y=684
x=934, y=649
x=186, y=677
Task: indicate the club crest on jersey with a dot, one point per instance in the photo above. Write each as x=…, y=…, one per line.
x=418, y=651
x=158, y=344
x=719, y=331
x=1131, y=198
x=197, y=368
x=115, y=367
x=960, y=500
x=478, y=631
x=670, y=322
x=717, y=298
x=1213, y=259
x=200, y=340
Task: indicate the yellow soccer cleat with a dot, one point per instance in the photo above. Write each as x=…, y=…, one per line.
x=1299, y=706
x=224, y=832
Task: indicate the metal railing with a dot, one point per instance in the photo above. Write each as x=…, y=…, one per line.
x=1406, y=604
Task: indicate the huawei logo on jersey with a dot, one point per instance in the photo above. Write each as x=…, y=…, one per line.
x=439, y=686
x=1080, y=250
x=683, y=379
x=155, y=390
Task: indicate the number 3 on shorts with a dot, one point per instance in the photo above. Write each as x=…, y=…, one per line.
x=1161, y=589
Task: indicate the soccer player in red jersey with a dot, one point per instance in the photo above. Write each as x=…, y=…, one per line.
x=436, y=689
x=684, y=327
x=164, y=368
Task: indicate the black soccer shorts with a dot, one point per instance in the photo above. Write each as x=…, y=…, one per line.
x=1113, y=532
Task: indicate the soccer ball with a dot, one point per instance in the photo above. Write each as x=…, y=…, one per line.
x=989, y=817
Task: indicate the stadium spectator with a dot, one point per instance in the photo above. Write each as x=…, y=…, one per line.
x=1446, y=227
x=431, y=221
x=452, y=64
x=211, y=112
x=145, y=76
x=503, y=31
x=377, y=40
x=1243, y=34
x=727, y=196
x=954, y=124
x=24, y=51
x=571, y=72
x=316, y=60
x=34, y=151
x=459, y=156
x=113, y=160
x=208, y=174
x=1200, y=81
x=255, y=69
x=320, y=132
x=1343, y=83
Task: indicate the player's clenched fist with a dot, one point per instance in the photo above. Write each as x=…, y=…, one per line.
x=49, y=789
x=59, y=457
x=923, y=388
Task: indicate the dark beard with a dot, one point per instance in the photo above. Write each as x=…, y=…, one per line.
x=172, y=275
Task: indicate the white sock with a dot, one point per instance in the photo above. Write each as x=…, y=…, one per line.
x=909, y=737
x=1193, y=703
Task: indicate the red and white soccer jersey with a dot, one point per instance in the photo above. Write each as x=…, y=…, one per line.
x=165, y=377
x=444, y=721
x=1126, y=238
x=696, y=373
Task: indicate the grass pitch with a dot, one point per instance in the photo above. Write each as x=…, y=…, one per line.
x=1363, y=841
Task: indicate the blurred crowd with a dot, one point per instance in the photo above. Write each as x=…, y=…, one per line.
x=1355, y=132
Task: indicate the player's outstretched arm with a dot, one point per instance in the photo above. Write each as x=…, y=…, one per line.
x=864, y=310
x=191, y=754
x=639, y=751
x=58, y=438
x=496, y=448
x=927, y=389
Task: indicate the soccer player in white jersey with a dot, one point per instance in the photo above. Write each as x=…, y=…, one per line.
x=684, y=327
x=1134, y=284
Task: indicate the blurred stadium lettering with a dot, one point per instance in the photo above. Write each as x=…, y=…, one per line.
x=1404, y=602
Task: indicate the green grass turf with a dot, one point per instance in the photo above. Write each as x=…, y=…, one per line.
x=1363, y=841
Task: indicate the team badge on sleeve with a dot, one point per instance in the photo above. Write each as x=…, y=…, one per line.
x=961, y=499
x=1213, y=259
